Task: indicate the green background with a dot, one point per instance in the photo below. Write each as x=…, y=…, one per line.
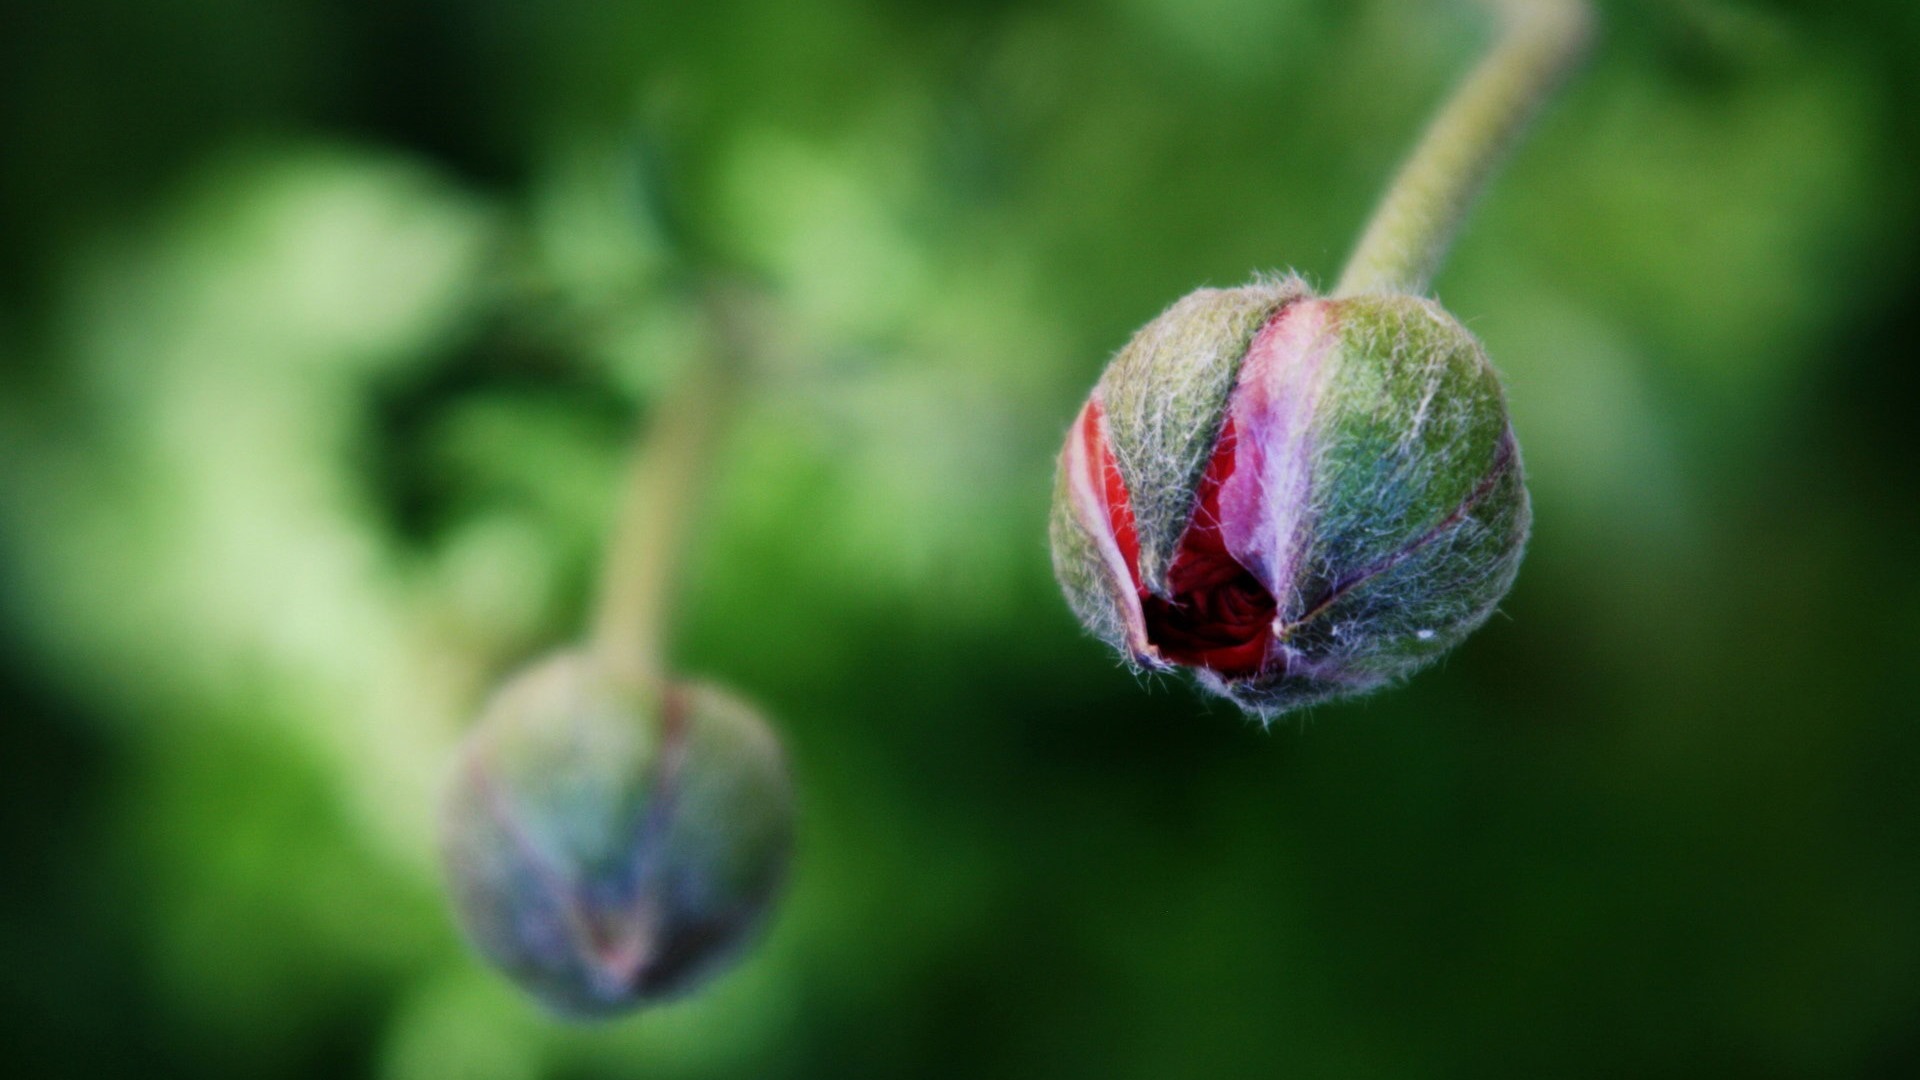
x=323, y=327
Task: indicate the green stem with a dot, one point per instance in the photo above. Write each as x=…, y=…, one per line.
x=672, y=463
x=1539, y=42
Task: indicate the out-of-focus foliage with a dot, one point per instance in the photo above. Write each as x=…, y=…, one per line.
x=325, y=326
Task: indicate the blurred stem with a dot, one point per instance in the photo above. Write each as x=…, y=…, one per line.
x=671, y=467
x=1415, y=223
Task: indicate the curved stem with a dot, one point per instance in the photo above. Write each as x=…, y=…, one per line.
x=1417, y=220
x=668, y=475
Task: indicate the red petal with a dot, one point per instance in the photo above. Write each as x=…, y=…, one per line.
x=1112, y=489
x=1219, y=616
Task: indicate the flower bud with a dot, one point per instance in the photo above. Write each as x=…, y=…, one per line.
x=608, y=847
x=1295, y=498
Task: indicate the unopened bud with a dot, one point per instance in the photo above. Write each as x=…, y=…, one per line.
x=609, y=846
x=1295, y=498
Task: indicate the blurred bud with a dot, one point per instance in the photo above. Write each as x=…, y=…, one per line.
x=608, y=847
x=1296, y=498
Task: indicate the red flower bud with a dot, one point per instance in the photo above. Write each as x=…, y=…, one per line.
x=1295, y=498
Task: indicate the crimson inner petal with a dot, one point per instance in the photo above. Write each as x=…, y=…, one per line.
x=1219, y=615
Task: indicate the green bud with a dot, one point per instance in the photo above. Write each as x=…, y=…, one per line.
x=1295, y=498
x=609, y=846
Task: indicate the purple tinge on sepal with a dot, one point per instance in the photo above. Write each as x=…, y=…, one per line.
x=1264, y=502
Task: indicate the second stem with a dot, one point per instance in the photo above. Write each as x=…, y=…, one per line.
x=668, y=476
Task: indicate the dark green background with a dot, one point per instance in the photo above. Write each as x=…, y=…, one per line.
x=323, y=327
